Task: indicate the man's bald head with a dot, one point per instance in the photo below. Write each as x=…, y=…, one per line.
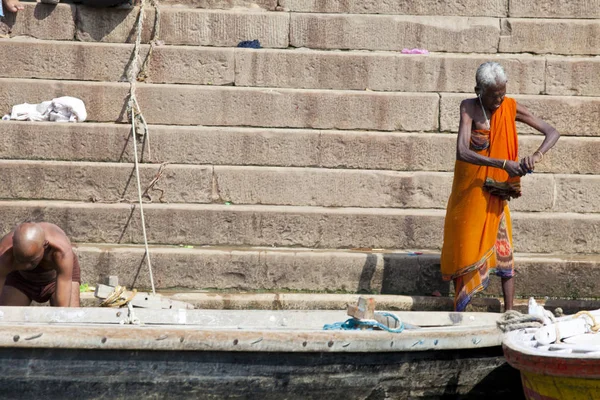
x=29, y=242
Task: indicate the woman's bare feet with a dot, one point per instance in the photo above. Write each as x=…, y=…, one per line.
x=12, y=5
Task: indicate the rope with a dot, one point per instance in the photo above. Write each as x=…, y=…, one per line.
x=116, y=299
x=143, y=75
x=595, y=325
x=513, y=320
x=354, y=323
x=135, y=112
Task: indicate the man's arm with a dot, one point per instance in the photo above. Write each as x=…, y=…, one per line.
x=64, y=269
x=463, y=146
x=551, y=135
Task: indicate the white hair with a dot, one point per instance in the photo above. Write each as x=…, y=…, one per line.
x=490, y=74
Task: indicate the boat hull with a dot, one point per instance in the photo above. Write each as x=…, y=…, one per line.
x=53, y=373
x=554, y=377
x=61, y=353
x=546, y=387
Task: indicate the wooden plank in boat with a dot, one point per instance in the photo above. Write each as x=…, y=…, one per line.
x=267, y=319
x=184, y=338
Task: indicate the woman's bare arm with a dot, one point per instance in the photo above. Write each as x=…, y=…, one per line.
x=550, y=133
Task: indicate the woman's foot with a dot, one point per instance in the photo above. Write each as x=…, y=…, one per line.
x=12, y=5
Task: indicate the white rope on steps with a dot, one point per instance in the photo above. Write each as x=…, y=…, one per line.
x=135, y=114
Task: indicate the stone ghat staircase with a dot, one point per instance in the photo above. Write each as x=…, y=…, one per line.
x=299, y=166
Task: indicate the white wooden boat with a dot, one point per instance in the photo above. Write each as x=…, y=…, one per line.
x=97, y=353
x=560, y=360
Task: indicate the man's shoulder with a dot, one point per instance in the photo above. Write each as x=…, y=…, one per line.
x=56, y=237
x=468, y=105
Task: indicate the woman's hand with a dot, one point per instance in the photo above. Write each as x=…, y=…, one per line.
x=514, y=168
x=528, y=163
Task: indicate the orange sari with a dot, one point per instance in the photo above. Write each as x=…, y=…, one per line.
x=478, y=229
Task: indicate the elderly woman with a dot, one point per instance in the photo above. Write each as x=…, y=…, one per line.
x=478, y=231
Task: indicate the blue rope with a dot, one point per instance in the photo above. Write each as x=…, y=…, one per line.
x=354, y=323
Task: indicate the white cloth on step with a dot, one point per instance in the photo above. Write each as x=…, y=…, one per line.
x=61, y=109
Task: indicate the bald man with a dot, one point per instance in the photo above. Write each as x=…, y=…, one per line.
x=37, y=262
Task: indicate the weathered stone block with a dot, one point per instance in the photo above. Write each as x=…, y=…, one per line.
x=104, y=101
x=555, y=9
x=324, y=109
x=396, y=151
x=43, y=21
x=556, y=232
x=235, y=269
x=384, y=32
x=543, y=36
x=224, y=28
x=332, y=188
x=118, y=26
x=578, y=193
x=570, y=76
x=538, y=194
x=104, y=182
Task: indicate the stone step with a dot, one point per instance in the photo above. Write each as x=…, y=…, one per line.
x=304, y=69
x=384, y=71
x=229, y=106
x=288, y=226
x=570, y=115
x=248, y=185
x=290, y=108
x=392, y=272
x=355, y=70
x=389, y=189
x=105, y=182
x=209, y=27
x=109, y=61
x=462, y=34
x=468, y=8
x=272, y=147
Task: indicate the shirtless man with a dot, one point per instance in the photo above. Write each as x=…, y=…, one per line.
x=37, y=263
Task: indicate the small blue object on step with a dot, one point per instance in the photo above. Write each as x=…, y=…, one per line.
x=355, y=323
x=250, y=44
